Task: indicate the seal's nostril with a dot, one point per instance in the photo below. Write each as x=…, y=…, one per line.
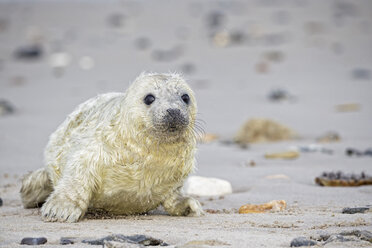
x=174, y=112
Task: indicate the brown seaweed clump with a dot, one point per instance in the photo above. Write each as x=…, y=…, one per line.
x=263, y=130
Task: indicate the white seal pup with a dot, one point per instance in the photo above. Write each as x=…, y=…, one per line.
x=126, y=153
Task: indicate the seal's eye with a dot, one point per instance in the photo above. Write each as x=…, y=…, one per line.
x=149, y=99
x=186, y=98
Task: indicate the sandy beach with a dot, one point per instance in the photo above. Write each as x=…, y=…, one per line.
x=234, y=54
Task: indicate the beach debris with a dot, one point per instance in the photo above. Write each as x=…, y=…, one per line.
x=142, y=43
x=329, y=137
x=29, y=52
x=283, y=155
x=334, y=179
x=361, y=74
x=311, y=148
x=262, y=67
x=66, y=241
x=348, y=107
x=207, y=186
x=202, y=243
x=277, y=95
x=167, y=55
x=355, y=210
x=5, y=107
x=272, y=206
x=208, y=138
x=33, y=241
x=1, y=202
x=263, y=130
x=133, y=239
x=356, y=152
x=302, y=241
x=116, y=20
x=86, y=63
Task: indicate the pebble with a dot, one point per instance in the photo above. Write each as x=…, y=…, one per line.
x=207, y=186
x=283, y=155
x=302, y=241
x=1, y=202
x=66, y=241
x=33, y=241
x=355, y=210
x=134, y=239
x=274, y=206
x=361, y=74
x=277, y=95
x=341, y=179
x=5, y=108
x=355, y=152
x=29, y=52
x=215, y=20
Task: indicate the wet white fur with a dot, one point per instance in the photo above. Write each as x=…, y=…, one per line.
x=108, y=155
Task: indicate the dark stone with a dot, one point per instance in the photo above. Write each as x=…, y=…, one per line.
x=5, y=108
x=66, y=241
x=302, y=241
x=354, y=210
x=1, y=202
x=368, y=152
x=352, y=152
x=215, y=20
x=33, y=241
x=29, y=52
x=278, y=95
x=134, y=239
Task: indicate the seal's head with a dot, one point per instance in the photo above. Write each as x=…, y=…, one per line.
x=162, y=105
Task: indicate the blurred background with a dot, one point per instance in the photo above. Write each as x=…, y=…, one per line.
x=306, y=64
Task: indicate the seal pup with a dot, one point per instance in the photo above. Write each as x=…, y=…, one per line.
x=126, y=153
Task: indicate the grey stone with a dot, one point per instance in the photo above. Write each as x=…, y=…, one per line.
x=302, y=241
x=33, y=241
x=5, y=107
x=354, y=210
x=29, y=52
x=361, y=74
x=1, y=202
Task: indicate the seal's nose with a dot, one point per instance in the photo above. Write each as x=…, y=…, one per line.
x=174, y=113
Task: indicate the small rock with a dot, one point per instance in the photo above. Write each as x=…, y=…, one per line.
x=1, y=202
x=348, y=107
x=361, y=74
x=302, y=241
x=66, y=241
x=215, y=20
x=283, y=155
x=368, y=152
x=142, y=43
x=134, y=239
x=329, y=138
x=354, y=210
x=279, y=95
x=274, y=206
x=5, y=108
x=333, y=179
x=263, y=130
x=207, y=186
x=33, y=241
x=29, y=52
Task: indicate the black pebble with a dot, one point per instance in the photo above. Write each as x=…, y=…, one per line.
x=354, y=210
x=66, y=241
x=368, y=152
x=29, y=52
x=1, y=202
x=33, y=241
x=302, y=241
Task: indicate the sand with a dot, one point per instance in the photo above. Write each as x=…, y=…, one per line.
x=325, y=60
